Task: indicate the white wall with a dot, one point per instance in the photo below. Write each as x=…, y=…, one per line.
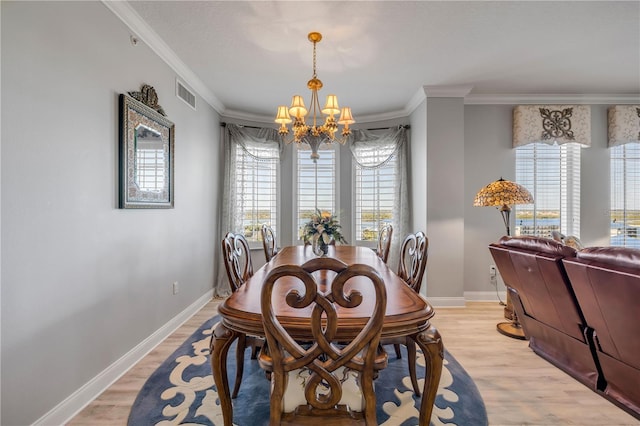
x=445, y=199
x=488, y=155
x=595, y=183
x=418, y=176
x=83, y=282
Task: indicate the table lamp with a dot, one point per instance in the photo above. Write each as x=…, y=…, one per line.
x=502, y=194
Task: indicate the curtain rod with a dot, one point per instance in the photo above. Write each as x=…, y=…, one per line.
x=224, y=124
x=404, y=126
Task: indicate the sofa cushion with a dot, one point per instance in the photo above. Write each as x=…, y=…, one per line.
x=543, y=245
x=614, y=256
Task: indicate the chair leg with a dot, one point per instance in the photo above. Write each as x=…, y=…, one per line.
x=411, y=355
x=242, y=344
x=398, y=353
x=255, y=347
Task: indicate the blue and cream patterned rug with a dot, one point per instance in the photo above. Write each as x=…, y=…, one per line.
x=181, y=391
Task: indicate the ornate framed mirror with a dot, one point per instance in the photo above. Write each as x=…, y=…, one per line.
x=146, y=155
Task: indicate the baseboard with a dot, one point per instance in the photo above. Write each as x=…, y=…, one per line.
x=446, y=302
x=72, y=405
x=469, y=296
x=484, y=296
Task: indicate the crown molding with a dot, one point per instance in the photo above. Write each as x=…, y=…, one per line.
x=393, y=115
x=144, y=32
x=247, y=116
x=373, y=118
x=457, y=91
x=579, y=99
x=516, y=99
x=416, y=100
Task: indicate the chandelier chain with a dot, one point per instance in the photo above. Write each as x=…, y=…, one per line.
x=315, y=74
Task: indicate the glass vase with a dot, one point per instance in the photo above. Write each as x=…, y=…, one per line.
x=319, y=247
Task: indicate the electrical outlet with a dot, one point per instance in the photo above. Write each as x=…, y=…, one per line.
x=175, y=287
x=492, y=271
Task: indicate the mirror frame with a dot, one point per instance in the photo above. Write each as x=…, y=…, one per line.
x=132, y=114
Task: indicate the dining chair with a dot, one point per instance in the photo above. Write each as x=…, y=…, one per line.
x=384, y=242
x=411, y=268
x=268, y=242
x=325, y=379
x=237, y=262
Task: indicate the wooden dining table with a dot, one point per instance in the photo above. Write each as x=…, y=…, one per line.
x=407, y=314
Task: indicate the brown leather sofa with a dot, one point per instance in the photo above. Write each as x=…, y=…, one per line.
x=606, y=282
x=580, y=310
x=545, y=304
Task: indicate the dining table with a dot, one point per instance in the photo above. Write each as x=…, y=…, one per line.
x=407, y=314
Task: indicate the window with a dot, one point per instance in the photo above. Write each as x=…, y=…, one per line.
x=149, y=159
x=374, y=195
x=256, y=185
x=316, y=183
x=552, y=174
x=625, y=195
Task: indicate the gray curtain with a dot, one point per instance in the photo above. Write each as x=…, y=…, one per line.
x=253, y=142
x=387, y=144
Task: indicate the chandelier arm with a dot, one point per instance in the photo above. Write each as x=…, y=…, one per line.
x=318, y=132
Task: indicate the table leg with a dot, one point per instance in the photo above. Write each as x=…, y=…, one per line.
x=431, y=344
x=221, y=339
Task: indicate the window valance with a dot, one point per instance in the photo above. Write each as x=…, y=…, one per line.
x=260, y=143
x=373, y=150
x=551, y=124
x=624, y=124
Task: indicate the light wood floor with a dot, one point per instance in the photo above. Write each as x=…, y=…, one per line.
x=518, y=387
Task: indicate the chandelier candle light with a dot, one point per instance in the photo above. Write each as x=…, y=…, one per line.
x=314, y=134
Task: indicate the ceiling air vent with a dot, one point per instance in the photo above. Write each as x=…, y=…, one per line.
x=185, y=94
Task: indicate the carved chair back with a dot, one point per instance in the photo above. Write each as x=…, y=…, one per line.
x=237, y=259
x=324, y=360
x=413, y=259
x=384, y=242
x=268, y=242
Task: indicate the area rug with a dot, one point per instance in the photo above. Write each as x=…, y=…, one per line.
x=181, y=391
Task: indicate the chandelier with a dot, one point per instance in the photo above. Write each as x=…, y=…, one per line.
x=314, y=133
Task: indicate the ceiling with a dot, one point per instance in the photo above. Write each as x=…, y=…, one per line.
x=377, y=56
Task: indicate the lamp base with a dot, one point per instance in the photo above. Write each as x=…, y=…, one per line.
x=512, y=330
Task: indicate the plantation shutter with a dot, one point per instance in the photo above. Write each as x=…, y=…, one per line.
x=316, y=183
x=374, y=194
x=381, y=185
x=552, y=174
x=257, y=189
x=625, y=195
